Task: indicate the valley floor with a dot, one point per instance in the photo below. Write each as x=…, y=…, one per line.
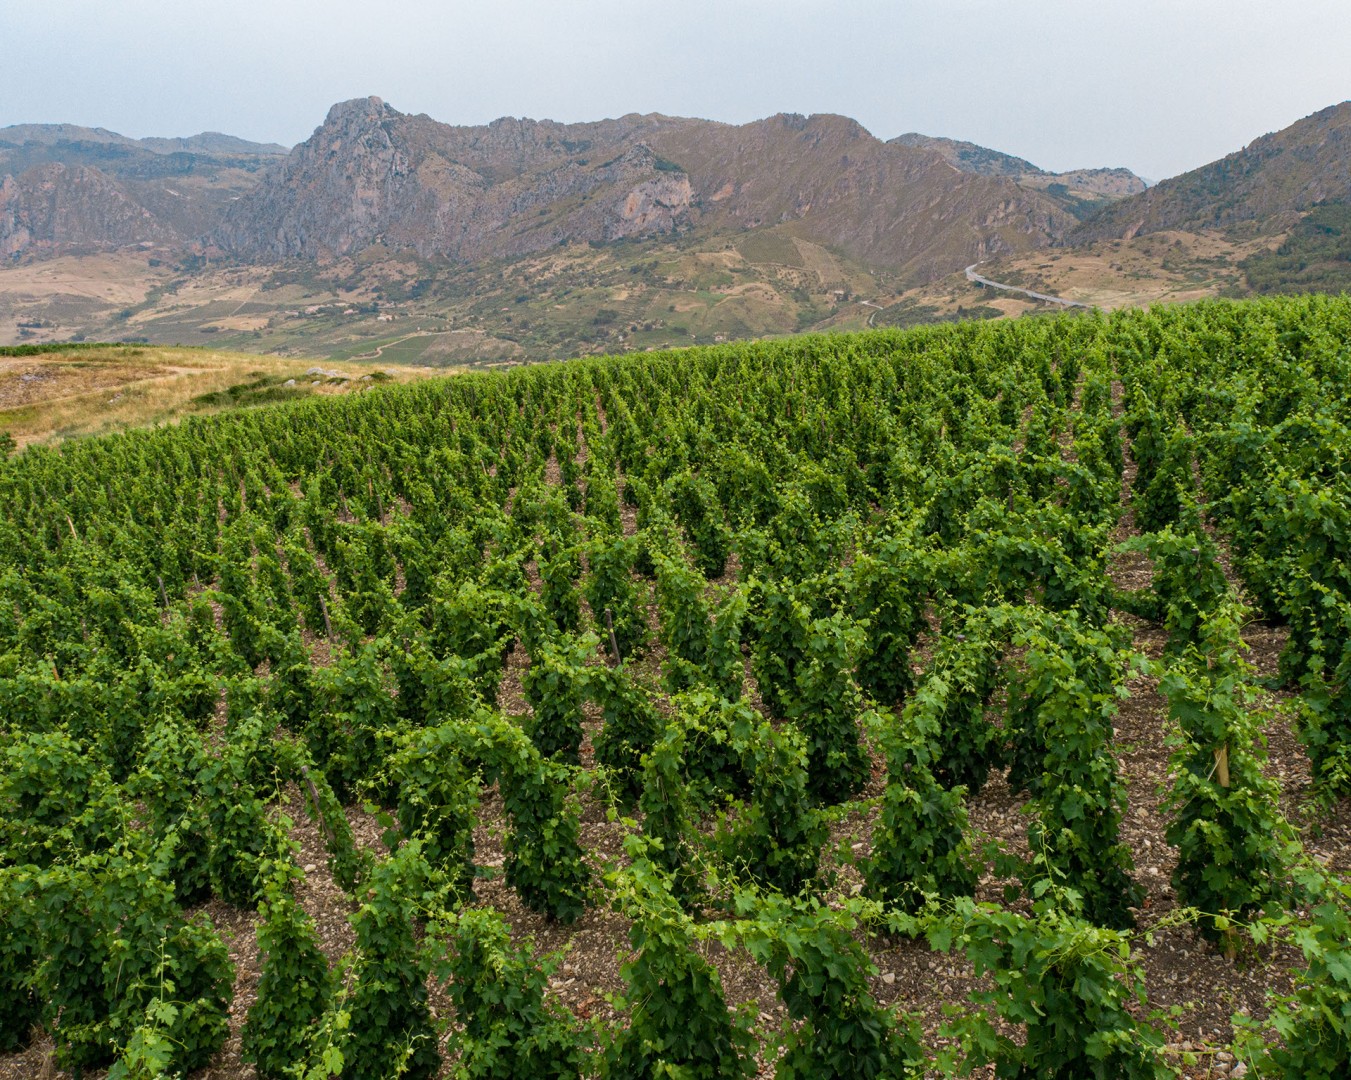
x=393, y=309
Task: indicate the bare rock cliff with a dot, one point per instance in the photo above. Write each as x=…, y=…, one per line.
x=370, y=174
x=55, y=208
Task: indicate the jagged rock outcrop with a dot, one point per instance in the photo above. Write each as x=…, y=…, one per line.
x=371, y=175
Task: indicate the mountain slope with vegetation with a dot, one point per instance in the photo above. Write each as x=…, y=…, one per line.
x=1315, y=257
x=1265, y=186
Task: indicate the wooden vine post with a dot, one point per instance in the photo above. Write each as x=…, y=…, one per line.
x=1222, y=754
x=328, y=625
x=614, y=642
x=318, y=807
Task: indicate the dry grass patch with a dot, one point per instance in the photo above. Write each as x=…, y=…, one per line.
x=54, y=396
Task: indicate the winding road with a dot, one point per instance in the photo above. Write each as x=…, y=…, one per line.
x=971, y=275
x=877, y=307
x=380, y=349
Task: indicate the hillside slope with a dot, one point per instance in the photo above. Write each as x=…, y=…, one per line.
x=1269, y=181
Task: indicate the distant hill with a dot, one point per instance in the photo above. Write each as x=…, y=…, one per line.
x=70, y=188
x=1268, y=182
x=968, y=157
x=214, y=142
x=207, y=142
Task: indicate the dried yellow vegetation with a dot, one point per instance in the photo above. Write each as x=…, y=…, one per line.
x=54, y=396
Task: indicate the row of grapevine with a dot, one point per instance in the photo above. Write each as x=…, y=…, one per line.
x=752, y=593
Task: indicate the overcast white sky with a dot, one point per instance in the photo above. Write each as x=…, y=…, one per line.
x=1160, y=86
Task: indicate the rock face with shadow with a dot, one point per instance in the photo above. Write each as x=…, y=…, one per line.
x=372, y=175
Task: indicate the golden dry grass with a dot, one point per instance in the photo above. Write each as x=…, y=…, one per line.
x=1165, y=267
x=53, y=396
x=1161, y=268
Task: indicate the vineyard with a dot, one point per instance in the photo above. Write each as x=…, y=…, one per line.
x=973, y=700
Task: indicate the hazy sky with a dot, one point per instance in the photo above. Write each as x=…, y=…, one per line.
x=1160, y=86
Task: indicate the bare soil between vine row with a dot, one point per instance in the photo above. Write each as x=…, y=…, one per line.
x=1182, y=970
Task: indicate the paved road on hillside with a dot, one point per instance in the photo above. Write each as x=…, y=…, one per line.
x=971, y=275
x=876, y=307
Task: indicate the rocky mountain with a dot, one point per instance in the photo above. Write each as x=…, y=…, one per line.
x=58, y=208
x=1102, y=184
x=1270, y=181
x=887, y=206
x=65, y=188
x=371, y=177
x=371, y=174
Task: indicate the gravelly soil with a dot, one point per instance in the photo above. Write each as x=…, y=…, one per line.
x=1181, y=968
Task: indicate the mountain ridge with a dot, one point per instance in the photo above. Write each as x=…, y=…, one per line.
x=212, y=142
x=1277, y=176
x=522, y=237
x=516, y=186
x=370, y=175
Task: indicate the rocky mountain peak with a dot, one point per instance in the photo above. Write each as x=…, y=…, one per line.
x=359, y=112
